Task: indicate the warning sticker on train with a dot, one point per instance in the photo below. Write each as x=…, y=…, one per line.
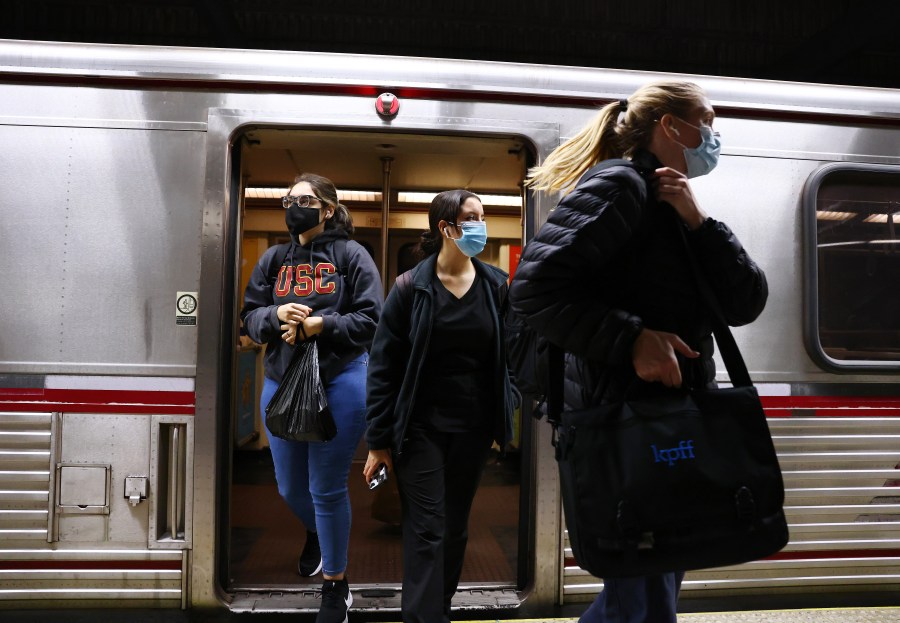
x=186, y=309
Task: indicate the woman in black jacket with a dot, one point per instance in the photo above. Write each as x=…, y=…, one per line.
x=608, y=277
x=438, y=395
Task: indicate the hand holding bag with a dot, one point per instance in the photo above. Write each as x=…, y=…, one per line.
x=672, y=480
x=298, y=410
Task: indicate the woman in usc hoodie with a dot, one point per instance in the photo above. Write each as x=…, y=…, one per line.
x=319, y=284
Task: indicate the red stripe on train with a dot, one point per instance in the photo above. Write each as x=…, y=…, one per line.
x=832, y=406
x=91, y=565
x=836, y=553
x=840, y=554
x=97, y=401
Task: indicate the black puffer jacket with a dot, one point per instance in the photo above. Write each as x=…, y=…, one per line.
x=609, y=262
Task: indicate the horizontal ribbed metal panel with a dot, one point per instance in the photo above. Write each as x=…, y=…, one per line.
x=842, y=501
x=24, y=475
x=35, y=572
x=54, y=577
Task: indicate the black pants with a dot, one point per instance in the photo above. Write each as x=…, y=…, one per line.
x=437, y=476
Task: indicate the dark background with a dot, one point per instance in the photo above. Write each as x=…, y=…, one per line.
x=854, y=42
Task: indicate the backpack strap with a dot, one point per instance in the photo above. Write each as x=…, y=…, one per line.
x=405, y=288
x=341, y=256
x=277, y=262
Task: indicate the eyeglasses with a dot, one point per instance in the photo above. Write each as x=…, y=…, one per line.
x=301, y=200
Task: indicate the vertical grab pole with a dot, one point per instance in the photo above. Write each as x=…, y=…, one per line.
x=385, y=217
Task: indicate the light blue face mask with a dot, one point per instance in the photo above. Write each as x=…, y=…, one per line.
x=704, y=157
x=473, y=239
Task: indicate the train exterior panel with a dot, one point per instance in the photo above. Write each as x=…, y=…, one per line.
x=121, y=213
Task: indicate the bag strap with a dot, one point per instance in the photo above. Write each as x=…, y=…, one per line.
x=556, y=388
x=731, y=354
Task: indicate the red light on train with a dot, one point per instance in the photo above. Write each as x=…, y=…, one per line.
x=387, y=105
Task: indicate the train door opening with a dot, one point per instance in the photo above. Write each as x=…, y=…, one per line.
x=387, y=181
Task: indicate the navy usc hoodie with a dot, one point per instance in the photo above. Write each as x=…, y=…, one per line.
x=350, y=304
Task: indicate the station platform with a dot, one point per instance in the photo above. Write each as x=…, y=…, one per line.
x=805, y=615
x=812, y=615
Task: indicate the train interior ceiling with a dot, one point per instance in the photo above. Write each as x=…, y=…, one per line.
x=266, y=538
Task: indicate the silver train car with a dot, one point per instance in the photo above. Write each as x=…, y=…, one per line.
x=140, y=184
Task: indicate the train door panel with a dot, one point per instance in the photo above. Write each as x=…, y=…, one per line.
x=263, y=538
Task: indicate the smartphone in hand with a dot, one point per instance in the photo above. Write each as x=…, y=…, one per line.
x=379, y=478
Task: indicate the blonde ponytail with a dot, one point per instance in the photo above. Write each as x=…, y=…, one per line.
x=565, y=165
x=608, y=136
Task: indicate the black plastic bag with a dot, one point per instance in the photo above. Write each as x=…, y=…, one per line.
x=298, y=411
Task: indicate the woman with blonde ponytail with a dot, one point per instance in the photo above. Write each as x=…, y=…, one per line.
x=608, y=278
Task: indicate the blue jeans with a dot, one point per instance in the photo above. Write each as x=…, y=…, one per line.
x=646, y=599
x=312, y=476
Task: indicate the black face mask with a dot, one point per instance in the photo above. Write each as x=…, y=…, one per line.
x=300, y=220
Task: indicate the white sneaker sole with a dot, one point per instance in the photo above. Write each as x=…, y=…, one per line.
x=317, y=571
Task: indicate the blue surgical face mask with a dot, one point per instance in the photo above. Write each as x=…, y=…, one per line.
x=473, y=239
x=704, y=157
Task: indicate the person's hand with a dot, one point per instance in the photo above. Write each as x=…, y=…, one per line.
x=293, y=313
x=653, y=356
x=376, y=458
x=672, y=187
x=312, y=325
x=289, y=333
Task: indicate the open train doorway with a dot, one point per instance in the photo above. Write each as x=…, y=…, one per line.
x=387, y=181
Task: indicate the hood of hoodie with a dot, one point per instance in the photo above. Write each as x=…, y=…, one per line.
x=326, y=236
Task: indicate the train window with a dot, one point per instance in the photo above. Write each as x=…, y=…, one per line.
x=853, y=213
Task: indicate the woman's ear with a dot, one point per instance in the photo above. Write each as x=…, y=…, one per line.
x=667, y=123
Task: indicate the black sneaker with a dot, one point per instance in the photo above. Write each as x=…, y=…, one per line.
x=310, y=562
x=336, y=600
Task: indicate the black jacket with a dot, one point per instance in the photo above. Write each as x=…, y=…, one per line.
x=609, y=261
x=350, y=304
x=398, y=354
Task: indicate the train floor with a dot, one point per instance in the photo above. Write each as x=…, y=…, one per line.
x=266, y=538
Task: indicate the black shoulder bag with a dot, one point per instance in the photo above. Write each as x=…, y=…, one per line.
x=672, y=480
